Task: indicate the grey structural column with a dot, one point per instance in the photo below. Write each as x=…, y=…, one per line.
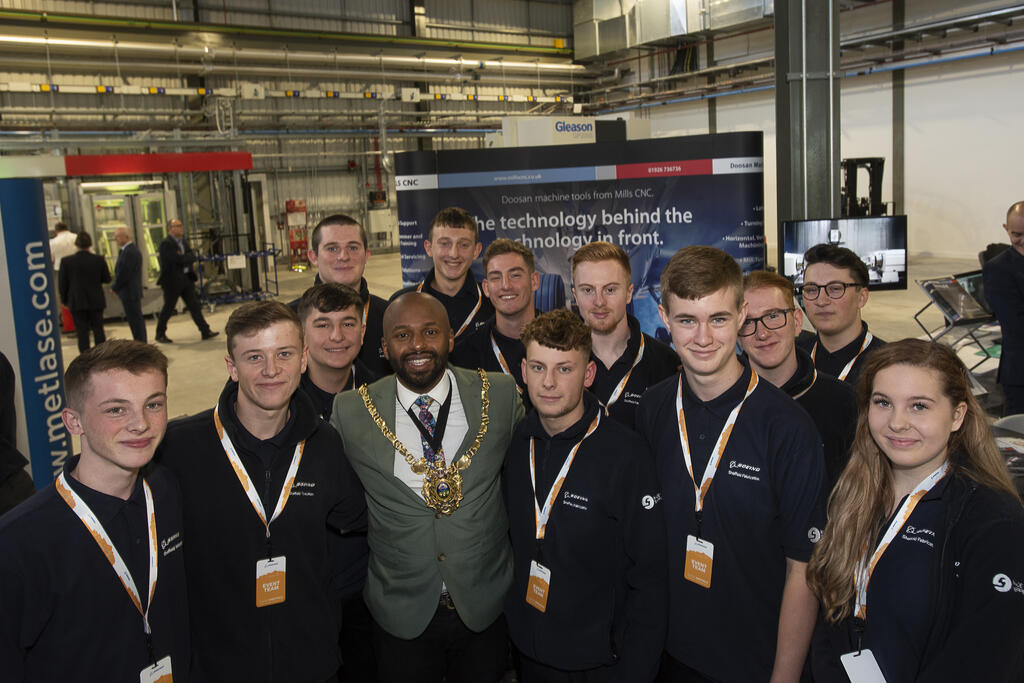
x=807, y=108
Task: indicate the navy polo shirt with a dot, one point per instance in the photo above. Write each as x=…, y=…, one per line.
x=659, y=361
x=833, y=407
x=64, y=614
x=760, y=510
x=833, y=363
x=460, y=306
x=474, y=350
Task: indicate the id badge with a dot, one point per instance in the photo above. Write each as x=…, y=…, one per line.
x=700, y=555
x=861, y=667
x=158, y=673
x=270, y=581
x=537, y=586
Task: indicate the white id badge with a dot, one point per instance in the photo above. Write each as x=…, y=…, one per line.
x=537, y=586
x=158, y=673
x=270, y=581
x=861, y=667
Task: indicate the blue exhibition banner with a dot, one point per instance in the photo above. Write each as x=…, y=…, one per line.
x=30, y=335
x=651, y=197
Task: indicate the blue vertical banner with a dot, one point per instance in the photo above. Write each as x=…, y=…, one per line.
x=29, y=331
x=651, y=197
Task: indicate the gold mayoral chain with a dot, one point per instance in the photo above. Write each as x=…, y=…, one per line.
x=442, y=485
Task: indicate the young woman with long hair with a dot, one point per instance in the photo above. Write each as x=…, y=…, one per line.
x=920, y=570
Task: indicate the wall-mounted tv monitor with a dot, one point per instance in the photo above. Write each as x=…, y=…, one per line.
x=880, y=241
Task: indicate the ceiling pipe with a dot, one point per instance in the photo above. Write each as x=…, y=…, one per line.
x=69, y=65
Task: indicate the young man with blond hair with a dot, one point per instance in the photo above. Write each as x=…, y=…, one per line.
x=741, y=467
x=768, y=336
x=628, y=361
x=453, y=244
x=587, y=601
x=510, y=280
x=92, y=573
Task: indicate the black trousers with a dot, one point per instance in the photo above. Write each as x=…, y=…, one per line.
x=133, y=313
x=86, y=320
x=188, y=295
x=674, y=671
x=1014, y=399
x=532, y=671
x=358, y=663
x=447, y=651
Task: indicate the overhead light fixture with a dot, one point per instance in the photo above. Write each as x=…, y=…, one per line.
x=122, y=185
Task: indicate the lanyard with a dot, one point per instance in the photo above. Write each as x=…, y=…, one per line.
x=541, y=516
x=247, y=483
x=867, y=567
x=620, y=387
x=868, y=338
x=814, y=378
x=366, y=310
x=716, y=454
x=469, y=319
x=503, y=363
x=99, y=534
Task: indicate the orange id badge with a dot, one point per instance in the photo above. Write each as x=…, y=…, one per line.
x=158, y=673
x=700, y=555
x=537, y=586
x=270, y=581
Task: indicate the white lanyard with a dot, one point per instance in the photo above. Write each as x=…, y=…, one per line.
x=541, y=516
x=814, y=378
x=719, y=449
x=246, y=481
x=868, y=338
x=867, y=566
x=99, y=534
x=366, y=310
x=502, y=362
x=622, y=384
x=468, y=320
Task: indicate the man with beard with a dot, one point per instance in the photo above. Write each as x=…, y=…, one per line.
x=627, y=360
x=429, y=445
x=263, y=479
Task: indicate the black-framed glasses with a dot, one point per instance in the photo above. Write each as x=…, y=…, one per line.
x=772, y=320
x=834, y=290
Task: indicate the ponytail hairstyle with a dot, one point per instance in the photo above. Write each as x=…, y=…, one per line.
x=862, y=498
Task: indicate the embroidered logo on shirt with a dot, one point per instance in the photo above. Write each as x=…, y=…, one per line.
x=1004, y=584
x=814, y=534
x=575, y=500
x=744, y=471
x=649, y=501
x=919, y=535
x=170, y=544
x=304, y=488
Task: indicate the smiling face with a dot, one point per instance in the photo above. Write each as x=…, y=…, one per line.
x=509, y=284
x=417, y=340
x=341, y=256
x=555, y=381
x=602, y=290
x=333, y=339
x=453, y=251
x=911, y=419
x=123, y=420
x=768, y=349
x=267, y=365
x=834, y=316
x=704, y=331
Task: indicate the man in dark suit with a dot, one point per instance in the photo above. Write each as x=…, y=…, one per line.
x=128, y=282
x=440, y=557
x=81, y=279
x=177, y=275
x=1004, y=289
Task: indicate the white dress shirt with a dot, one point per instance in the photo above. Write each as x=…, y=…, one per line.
x=409, y=435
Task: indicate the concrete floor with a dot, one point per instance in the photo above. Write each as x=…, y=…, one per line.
x=197, y=371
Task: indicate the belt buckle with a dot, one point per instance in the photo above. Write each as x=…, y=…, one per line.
x=446, y=600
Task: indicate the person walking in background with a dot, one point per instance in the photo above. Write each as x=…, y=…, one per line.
x=1004, y=289
x=177, y=275
x=128, y=282
x=81, y=277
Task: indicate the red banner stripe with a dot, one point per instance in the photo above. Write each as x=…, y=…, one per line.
x=127, y=164
x=664, y=168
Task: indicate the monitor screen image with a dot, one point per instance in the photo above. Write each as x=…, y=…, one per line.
x=880, y=242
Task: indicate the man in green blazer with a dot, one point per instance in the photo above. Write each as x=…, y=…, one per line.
x=429, y=444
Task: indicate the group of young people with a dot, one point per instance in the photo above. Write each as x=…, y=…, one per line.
x=417, y=483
